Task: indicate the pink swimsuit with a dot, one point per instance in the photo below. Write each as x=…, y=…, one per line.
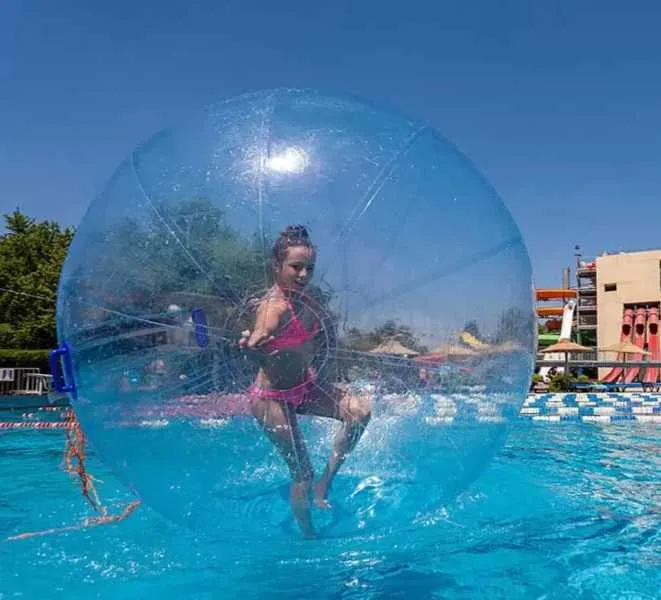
x=292, y=335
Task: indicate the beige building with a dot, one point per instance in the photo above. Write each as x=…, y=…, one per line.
x=626, y=280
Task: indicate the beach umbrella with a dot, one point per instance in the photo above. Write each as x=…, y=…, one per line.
x=566, y=347
x=625, y=348
x=470, y=340
x=453, y=350
x=393, y=346
x=479, y=346
x=507, y=346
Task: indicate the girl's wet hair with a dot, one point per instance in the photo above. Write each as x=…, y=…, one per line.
x=294, y=235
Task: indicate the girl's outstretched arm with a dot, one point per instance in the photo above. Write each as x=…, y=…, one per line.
x=269, y=313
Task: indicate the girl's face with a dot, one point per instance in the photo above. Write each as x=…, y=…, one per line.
x=297, y=268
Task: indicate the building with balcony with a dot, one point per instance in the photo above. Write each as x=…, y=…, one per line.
x=611, y=287
x=627, y=280
x=585, y=315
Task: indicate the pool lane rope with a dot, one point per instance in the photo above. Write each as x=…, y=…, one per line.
x=74, y=463
x=33, y=425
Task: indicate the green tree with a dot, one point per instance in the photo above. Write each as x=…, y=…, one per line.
x=473, y=328
x=31, y=258
x=515, y=325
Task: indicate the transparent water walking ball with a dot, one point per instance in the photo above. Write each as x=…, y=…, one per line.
x=421, y=273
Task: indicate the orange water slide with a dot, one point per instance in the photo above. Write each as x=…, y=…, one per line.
x=639, y=340
x=652, y=373
x=625, y=336
x=554, y=294
x=550, y=311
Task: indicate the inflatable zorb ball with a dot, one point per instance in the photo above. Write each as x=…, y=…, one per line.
x=421, y=272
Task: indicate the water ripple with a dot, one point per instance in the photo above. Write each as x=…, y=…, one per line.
x=564, y=512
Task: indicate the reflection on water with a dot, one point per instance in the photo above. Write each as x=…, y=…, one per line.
x=564, y=512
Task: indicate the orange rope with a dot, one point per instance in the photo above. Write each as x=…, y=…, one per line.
x=88, y=522
x=74, y=463
x=74, y=460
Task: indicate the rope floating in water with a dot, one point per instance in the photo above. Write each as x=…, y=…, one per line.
x=74, y=462
x=35, y=425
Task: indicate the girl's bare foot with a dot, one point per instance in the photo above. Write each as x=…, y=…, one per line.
x=298, y=496
x=311, y=535
x=320, y=493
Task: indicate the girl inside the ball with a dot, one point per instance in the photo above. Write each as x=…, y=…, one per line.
x=289, y=332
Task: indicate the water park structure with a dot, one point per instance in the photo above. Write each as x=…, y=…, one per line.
x=548, y=316
x=614, y=309
x=628, y=299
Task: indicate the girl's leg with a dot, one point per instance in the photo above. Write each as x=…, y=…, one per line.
x=278, y=420
x=354, y=413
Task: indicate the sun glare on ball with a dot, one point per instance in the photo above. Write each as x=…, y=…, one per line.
x=290, y=160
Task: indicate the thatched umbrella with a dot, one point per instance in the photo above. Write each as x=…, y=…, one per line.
x=566, y=347
x=625, y=348
x=393, y=346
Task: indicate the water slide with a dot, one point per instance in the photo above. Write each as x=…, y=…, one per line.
x=550, y=311
x=639, y=340
x=565, y=332
x=542, y=294
x=554, y=294
x=625, y=336
x=652, y=373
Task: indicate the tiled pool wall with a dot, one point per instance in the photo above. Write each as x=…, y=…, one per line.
x=593, y=407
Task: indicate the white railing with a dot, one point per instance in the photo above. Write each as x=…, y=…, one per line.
x=28, y=381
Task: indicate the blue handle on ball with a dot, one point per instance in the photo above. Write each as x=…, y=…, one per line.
x=200, y=322
x=61, y=356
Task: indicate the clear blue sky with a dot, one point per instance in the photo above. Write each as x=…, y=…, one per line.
x=558, y=103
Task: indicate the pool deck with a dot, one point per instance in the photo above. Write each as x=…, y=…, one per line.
x=587, y=407
x=23, y=401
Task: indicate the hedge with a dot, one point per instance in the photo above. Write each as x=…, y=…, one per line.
x=25, y=358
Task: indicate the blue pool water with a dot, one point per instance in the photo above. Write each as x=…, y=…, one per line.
x=567, y=510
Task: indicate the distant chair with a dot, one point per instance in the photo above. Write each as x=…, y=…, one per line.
x=37, y=384
x=24, y=381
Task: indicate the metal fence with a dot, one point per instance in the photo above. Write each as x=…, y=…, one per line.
x=587, y=320
x=28, y=381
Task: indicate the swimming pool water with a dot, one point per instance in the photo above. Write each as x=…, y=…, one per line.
x=565, y=511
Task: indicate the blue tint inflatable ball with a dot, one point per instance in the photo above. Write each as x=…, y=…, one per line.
x=421, y=275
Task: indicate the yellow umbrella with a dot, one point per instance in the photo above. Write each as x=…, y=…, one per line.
x=446, y=353
x=470, y=340
x=508, y=346
x=453, y=350
x=479, y=346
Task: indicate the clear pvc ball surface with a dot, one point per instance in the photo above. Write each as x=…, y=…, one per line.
x=420, y=268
